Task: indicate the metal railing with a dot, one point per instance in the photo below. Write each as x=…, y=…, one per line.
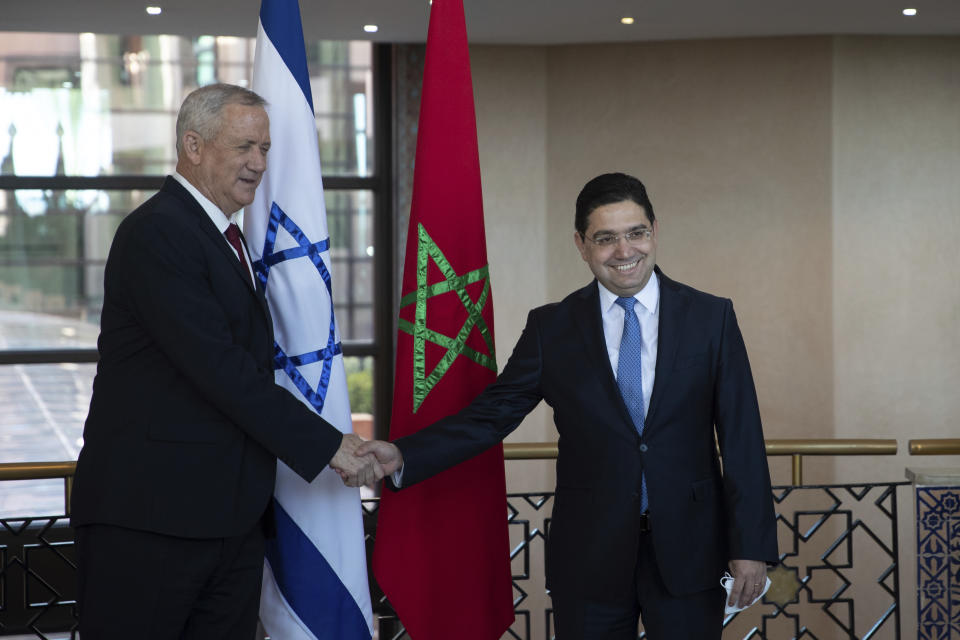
x=42, y=471
x=817, y=528
x=934, y=447
x=795, y=448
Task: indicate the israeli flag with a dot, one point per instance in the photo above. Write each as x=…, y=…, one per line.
x=315, y=574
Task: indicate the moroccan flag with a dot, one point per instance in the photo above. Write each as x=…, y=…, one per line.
x=315, y=573
x=442, y=550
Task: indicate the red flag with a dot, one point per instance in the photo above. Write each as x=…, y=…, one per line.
x=442, y=550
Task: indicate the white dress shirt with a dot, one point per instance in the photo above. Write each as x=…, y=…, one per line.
x=218, y=217
x=648, y=313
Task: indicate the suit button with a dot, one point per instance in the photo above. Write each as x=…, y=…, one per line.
x=643, y=448
x=636, y=496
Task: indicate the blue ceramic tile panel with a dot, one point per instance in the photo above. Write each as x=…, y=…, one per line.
x=938, y=563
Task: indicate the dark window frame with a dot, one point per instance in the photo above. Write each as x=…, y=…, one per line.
x=380, y=184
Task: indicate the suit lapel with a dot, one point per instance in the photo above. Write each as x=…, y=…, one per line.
x=673, y=307
x=590, y=324
x=210, y=230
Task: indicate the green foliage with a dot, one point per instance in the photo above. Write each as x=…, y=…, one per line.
x=360, y=387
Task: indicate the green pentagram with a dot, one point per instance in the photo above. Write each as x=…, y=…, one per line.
x=422, y=382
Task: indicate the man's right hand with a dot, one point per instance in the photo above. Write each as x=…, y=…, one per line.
x=387, y=454
x=354, y=467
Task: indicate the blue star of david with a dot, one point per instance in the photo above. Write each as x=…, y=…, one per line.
x=310, y=250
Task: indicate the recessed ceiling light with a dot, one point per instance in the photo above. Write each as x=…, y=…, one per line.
x=626, y=20
x=909, y=12
x=370, y=28
x=154, y=11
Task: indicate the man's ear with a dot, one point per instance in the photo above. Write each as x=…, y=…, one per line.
x=192, y=146
x=581, y=245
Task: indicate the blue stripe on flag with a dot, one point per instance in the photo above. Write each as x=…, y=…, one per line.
x=306, y=581
x=281, y=22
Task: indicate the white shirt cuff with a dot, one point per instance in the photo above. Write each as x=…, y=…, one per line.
x=398, y=477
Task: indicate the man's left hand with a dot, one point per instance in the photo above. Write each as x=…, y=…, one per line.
x=749, y=578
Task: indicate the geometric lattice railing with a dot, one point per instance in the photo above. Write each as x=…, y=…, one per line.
x=838, y=576
x=37, y=577
x=839, y=573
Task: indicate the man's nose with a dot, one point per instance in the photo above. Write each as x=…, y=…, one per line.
x=257, y=162
x=622, y=246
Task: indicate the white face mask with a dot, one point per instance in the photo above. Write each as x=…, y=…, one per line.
x=727, y=583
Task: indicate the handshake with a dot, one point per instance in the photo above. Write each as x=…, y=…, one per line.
x=359, y=462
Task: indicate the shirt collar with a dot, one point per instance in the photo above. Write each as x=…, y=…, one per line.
x=648, y=297
x=218, y=217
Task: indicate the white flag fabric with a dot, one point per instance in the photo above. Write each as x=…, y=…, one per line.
x=315, y=575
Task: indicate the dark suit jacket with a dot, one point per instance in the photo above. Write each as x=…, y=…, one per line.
x=186, y=422
x=703, y=394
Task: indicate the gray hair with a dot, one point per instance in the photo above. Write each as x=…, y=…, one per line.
x=202, y=110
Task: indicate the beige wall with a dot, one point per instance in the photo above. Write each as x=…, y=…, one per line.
x=732, y=140
x=896, y=239
x=896, y=275
x=510, y=91
x=815, y=181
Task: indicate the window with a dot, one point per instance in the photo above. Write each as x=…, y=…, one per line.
x=86, y=135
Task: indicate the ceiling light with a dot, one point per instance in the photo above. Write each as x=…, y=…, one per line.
x=626, y=20
x=909, y=12
x=370, y=28
x=154, y=11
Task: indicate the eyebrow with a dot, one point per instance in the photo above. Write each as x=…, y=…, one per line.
x=250, y=142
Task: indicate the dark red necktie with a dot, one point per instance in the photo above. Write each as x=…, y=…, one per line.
x=233, y=237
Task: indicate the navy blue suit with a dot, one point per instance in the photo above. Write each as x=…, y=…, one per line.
x=186, y=423
x=703, y=395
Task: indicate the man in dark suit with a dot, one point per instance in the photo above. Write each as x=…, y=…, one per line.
x=646, y=376
x=174, y=482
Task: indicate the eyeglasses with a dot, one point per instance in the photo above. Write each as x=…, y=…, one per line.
x=634, y=236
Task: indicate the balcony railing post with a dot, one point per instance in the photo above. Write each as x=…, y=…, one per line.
x=67, y=493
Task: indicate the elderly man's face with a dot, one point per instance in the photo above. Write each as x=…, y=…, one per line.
x=232, y=164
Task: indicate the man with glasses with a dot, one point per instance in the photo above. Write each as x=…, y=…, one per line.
x=646, y=377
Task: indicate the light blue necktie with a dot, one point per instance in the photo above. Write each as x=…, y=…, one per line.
x=630, y=375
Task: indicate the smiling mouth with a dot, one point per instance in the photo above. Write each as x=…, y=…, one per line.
x=628, y=266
